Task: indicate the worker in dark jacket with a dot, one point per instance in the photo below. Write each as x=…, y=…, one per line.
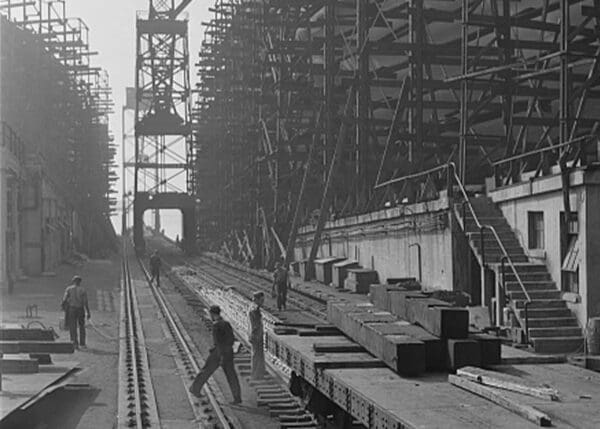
x=155, y=264
x=220, y=355
x=280, y=285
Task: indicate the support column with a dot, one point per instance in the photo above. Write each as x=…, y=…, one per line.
x=564, y=118
x=464, y=94
x=417, y=37
x=329, y=84
x=363, y=99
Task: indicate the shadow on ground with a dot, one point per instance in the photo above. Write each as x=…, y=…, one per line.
x=62, y=409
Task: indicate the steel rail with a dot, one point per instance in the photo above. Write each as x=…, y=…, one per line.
x=261, y=283
x=137, y=402
x=178, y=335
x=280, y=369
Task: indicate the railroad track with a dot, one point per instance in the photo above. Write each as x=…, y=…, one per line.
x=271, y=392
x=303, y=302
x=227, y=274
x=137, y=401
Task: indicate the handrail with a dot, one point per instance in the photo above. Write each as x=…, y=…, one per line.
x=505, y=254
x=412, y=176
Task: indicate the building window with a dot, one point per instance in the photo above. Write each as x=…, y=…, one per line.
x=536, y=230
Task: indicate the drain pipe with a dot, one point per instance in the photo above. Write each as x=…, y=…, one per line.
x=418, y=246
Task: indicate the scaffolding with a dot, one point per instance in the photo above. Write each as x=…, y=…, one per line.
x=58, y=103
x=312, y=110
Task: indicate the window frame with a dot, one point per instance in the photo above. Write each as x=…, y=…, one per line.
x=536, y=236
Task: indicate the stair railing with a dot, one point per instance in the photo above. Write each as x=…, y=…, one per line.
x=505, y=256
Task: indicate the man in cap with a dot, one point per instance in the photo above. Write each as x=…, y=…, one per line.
x=257, y=336
x=220, y=355
x=75, y=304
x=280, y=285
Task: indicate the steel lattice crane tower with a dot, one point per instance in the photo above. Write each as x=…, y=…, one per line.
x=164, y=152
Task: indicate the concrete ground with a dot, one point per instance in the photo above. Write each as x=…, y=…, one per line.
x=96, y=405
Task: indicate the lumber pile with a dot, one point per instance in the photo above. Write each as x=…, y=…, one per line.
x=20, y=334
x=18, y=365
x=340, y=272
x=324, y=269
x=508, y=391
x=38, y=347
x=408, y=283
x=436, y=316
x=306, y=268
x=310, y=355
x=37, y=343
x=374, y=330
x=413, y=333
x=441, y=319
x=359, y=280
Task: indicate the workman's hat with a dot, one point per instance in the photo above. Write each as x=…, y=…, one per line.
x=258, y=295
x=76, y=280
x=215, y=309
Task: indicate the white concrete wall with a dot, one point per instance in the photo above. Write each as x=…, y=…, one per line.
x=3, y=278
x=46, y=241
x=545, y=194
x=3, y=225
x=591, y=245
x=384, y=241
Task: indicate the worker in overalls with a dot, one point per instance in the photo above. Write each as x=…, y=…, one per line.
x=75, y=305
x=220, y=355
x=280, y=285
x=257, y=336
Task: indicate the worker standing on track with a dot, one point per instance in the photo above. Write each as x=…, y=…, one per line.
x=75, y=304
x=155, y=264
x=220, y=355
x=280, y=285
x=257, y=336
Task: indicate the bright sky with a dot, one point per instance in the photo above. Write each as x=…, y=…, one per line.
x=112, y=34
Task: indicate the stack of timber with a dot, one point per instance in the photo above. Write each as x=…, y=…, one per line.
x=441, y=319
x=309, y=356
x=380, y=398
x=359, y=280
x=413, y=333
x=324, y=269
x=306, y=268
x=39, y=344
x=340, y=272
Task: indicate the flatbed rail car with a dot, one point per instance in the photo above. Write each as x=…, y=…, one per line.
x=379, y=398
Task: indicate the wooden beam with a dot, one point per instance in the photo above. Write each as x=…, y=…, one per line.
x=333, y=171
x=289, y=252
x=528, y=412
x=507, y=382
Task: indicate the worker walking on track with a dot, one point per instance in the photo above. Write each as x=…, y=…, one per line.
x=75, y=304
x=280, y=285
x=220, y=355
x=257, y=337
x=155, y=264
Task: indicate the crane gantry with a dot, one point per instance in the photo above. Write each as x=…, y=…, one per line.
x=164, y=152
